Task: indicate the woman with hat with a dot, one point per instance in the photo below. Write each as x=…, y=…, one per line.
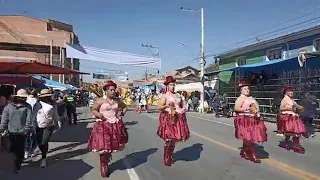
x=16, y=120
x=109, y=133
x=46, y=118
x=173, y=125
x=248, y=126
x=290, y=123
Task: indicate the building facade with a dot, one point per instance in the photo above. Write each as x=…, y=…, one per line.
x=24, y=38
x=186, y=74
x=283, y=47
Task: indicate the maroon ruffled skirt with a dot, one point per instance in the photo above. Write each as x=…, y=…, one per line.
x=175, y=128
x=249, y=128
x=108, y=137
x=290, y=124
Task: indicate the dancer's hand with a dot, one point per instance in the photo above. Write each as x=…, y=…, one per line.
x=253, y=109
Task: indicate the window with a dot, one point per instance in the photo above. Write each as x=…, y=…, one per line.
x=317, y=44
x=241, y=60
x=274, y=53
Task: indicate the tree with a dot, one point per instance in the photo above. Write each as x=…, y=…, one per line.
x=212, y=67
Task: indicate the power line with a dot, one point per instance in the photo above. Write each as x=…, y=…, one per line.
x=280, y=23
x=288, y=27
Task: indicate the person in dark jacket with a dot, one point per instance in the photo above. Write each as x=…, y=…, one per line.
x=309, y=102
x=16, y=121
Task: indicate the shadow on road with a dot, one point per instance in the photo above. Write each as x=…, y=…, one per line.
x=131, y=123
x=74, y=133
x=67, y=147
x=260, y=152
x=66, y=169
x=135, y=159
x=191, y=153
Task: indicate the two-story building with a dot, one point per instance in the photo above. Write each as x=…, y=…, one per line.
x=283, y=47
x=25, y=38
x=186, y=74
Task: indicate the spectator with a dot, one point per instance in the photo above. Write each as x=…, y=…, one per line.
x=16, y=120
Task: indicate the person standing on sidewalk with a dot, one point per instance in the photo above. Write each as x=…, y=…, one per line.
x=47, y=116
x=71, y=108
x=16, y=120
x=31, y=144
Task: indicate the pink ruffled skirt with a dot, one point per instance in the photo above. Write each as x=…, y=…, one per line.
x=251, y=129
x=290, y=124
x=175, y=128
x=108, y=137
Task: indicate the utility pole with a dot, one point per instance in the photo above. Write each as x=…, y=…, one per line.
x=157, y=54
x=202, y=62
x=51, y=56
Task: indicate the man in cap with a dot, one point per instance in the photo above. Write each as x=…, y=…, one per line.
x=17, y=122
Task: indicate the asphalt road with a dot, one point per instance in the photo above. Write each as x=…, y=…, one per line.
x=210, y=154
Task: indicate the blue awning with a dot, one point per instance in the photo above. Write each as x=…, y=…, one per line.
x=52, y=83
x=220, y=70
x=267, y=63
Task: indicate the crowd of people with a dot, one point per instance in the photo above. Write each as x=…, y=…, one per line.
x=29, y=119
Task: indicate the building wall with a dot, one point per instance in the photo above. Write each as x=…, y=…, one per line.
x=31, y=31
x=25, y=30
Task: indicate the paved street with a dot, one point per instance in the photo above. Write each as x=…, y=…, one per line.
x=211, y=154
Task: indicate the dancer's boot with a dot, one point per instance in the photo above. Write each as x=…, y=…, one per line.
x=297, y=146
x=167, y=154
x=244, y=151
x=252, y=154
x=104, y=161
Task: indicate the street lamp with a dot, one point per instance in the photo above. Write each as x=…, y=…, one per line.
x=202, y=63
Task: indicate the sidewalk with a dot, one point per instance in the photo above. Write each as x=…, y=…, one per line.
x=66, y=150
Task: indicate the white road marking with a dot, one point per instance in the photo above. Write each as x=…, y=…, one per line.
x=131, y=172
x=218, y=122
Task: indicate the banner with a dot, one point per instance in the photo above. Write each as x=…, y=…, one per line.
x=113, y=57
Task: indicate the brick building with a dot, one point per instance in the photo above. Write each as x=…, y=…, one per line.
x=25, y=38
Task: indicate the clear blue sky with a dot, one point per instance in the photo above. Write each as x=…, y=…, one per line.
x=125, y=24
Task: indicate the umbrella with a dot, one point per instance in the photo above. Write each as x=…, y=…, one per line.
x=33, y=67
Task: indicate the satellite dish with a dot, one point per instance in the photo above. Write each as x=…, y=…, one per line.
x=302, y=57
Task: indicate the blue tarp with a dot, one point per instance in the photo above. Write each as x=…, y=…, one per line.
x=277, y=63
x=52, y=83
x=272, y=62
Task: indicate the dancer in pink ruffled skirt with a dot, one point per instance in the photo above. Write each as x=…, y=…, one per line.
x=248, y=126
x=109, y=133
x=290, y=123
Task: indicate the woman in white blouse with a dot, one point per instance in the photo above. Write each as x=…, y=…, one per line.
x=46, y=119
